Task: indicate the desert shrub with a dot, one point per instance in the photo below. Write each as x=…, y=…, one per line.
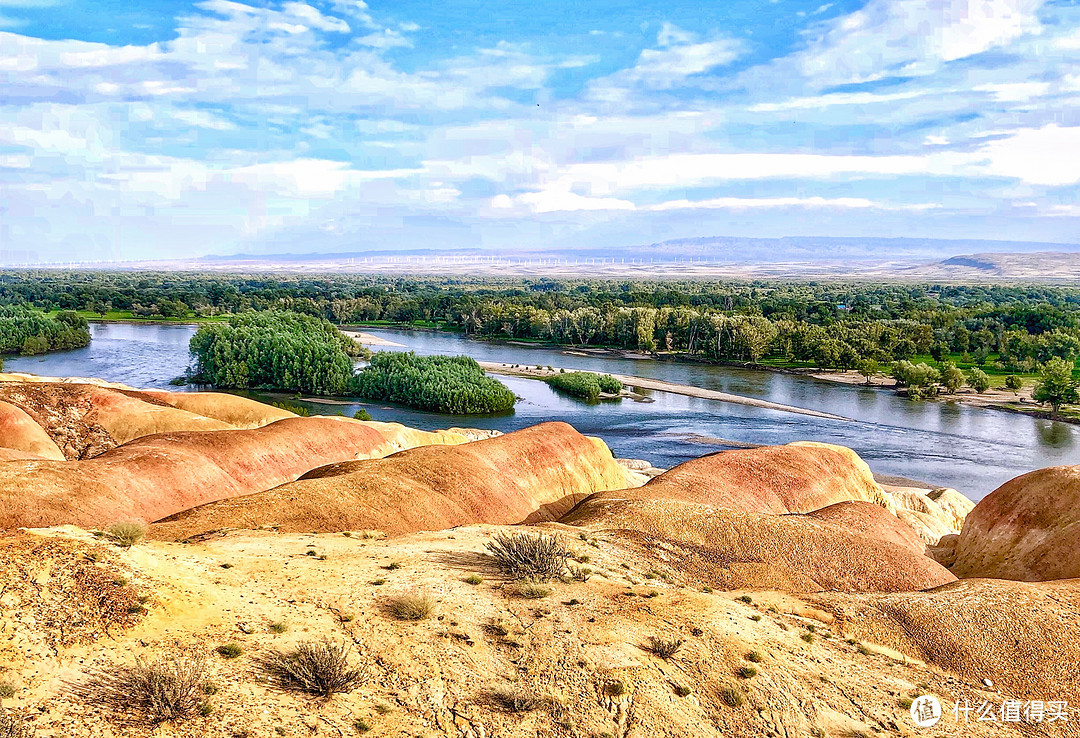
x=808, y=637
x=474, y=579
x=361, y=726
x=230, y=651
x=616, y=688
x=746, y=672
x=316, y=667
x=665, y=648
x=446, y=384
x=754, y=657
x=126, y=534
x=524, y=556
x=515, y=699
x=732, y=696
x=7, y=690
x=529, y=590
x=13, y=725
x=746, y=599
x=682, y=690
x=580, y=573
x=412, y=606
x=278, y=627
x=152, y=692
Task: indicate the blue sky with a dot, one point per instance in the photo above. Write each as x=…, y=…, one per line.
x=149, y=129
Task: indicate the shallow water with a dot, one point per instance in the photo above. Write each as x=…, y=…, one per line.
x=971, y=449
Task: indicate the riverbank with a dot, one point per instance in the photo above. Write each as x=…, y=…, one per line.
x=662, y=386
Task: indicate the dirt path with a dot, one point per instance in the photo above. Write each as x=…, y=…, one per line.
x=662, y=386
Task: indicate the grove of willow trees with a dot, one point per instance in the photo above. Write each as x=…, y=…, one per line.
x=274, y=350
x=447, y=384
x=26, y=331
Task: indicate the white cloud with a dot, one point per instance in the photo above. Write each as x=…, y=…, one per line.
x=1044, y=156
x=914, y=37
x=555, y=200
x=314, y=18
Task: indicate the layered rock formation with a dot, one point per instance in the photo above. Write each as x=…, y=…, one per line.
x=1027, y=529
x=541, y=470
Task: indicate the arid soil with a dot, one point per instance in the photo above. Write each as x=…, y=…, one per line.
x=767, y=592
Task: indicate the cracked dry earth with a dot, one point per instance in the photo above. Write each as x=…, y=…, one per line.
x=579, y=656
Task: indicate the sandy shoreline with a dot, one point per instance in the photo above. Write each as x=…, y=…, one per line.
x=662, y=386
x=366, y=339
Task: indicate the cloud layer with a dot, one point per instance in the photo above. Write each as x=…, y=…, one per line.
x=326, y=125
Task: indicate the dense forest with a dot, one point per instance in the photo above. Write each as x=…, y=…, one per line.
x=446, y=384
x=830, y=325
x=275, y=350
x=27, y=331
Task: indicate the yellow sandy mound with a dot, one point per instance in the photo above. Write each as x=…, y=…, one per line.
x=1025, y=638
x=1026, y=529
x=498, y=480
x=731, y=549
x=238, y=412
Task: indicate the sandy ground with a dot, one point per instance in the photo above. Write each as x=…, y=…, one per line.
x=995, y=397
x=366, y=339
x=441, y=676
x=661, y=386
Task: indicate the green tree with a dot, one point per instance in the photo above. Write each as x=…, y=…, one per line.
x=1056, y=384
x=448, y=384
x=952, y=379
x=978, y=380
x=1014, y=382
x=869, y=368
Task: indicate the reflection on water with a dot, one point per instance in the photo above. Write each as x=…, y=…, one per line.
x=945, y=443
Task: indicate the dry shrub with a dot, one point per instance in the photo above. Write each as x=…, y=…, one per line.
x=127, y=533
x=665, y=648
x=13, y=725
x=522, y=556
x=317, y=667
x=515, y=699
x=412, y=606
x=528, y=590
x=152, y=692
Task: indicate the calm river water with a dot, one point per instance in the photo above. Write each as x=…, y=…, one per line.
x=945, y=443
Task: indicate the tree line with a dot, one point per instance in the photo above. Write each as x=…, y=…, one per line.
x=27, y=331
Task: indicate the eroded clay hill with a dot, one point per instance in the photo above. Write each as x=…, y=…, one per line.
x=1027, y=529
x=796, y=478
x=161, y=474
x=731, y=549
x=543, y=470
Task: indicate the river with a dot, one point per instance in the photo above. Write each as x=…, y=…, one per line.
x=971, y=449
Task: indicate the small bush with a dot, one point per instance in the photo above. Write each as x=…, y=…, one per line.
x=474, y=579
x=746, y=672
x=13, y=725
x=155, y=692
x=580, y=573
x=616, y=689
x=7, y=690
x=382, y=709
x=732, y=696
x=412, y=606
x=529, y=590
x=379, y=582
x=861, y=648
x=126, y=534
x=230, y=651
x=360, y=725
x=361, y=414
x=529, y=557
x=746, y=598
x=392, y=566
x=682, y=690
x=808, y=637
x=514, y=699
x=665, y=648
x=754, y=657
x=278, y=627
x=320, y=668
x=756, y=618
x=906, y=703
